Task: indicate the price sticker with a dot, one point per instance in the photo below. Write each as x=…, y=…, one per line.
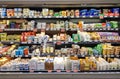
x=9, y=17
x=49, y=71
x=112, y=29
x=83, y=16
x=11, y=42
x=24, y=42
x=116, y=16
x=57, y=16
x=49, y=16
x=91, y=16
x=40, y=16
x=111, y=16
x=18, y=16
x=35, y=16
x=112, y=55
x=26, y=55
x=117, y=55
x=72, y=16
x=65, y=16
x=116, y=29
x=2, y=16
x=96, y=29
x=77, y=16
x=46, y=16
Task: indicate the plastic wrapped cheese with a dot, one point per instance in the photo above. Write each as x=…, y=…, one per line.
x=58, y=63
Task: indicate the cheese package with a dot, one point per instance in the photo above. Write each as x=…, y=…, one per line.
x=33, y=63
x=58, y=63
x=67, y=63
x=49, y=64
x=75, y=63
x=41, y=63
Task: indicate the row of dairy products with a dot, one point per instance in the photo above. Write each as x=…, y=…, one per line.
x=61, y=63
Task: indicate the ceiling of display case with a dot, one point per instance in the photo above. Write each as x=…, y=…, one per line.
x=57, y=3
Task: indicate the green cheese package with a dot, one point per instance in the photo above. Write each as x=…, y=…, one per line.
x=76, y=37
x=90, y=51
x=114, y=24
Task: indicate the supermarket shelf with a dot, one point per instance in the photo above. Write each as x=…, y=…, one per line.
x=111, y=16
x=63, y=75
x=63, y=55
x=102, y=29
x=62, y=29
x=71, y=71
x=57, y=42
x=49, y=17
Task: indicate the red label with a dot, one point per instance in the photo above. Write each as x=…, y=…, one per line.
x=111, y=14
x=103, y=24
x=116, y=14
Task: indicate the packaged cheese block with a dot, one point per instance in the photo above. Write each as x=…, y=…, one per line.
x=41, y=63
x=75, y=63
x=49, y=64
x=58, y=63
x=67, y=63
x=33, y=63
x=82, y=64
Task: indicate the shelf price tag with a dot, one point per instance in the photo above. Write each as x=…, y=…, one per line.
x=11, y=42
x=2, y=17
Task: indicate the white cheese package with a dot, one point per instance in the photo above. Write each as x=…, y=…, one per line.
x=41, y=63
x=58, y=63
x=33, y=63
